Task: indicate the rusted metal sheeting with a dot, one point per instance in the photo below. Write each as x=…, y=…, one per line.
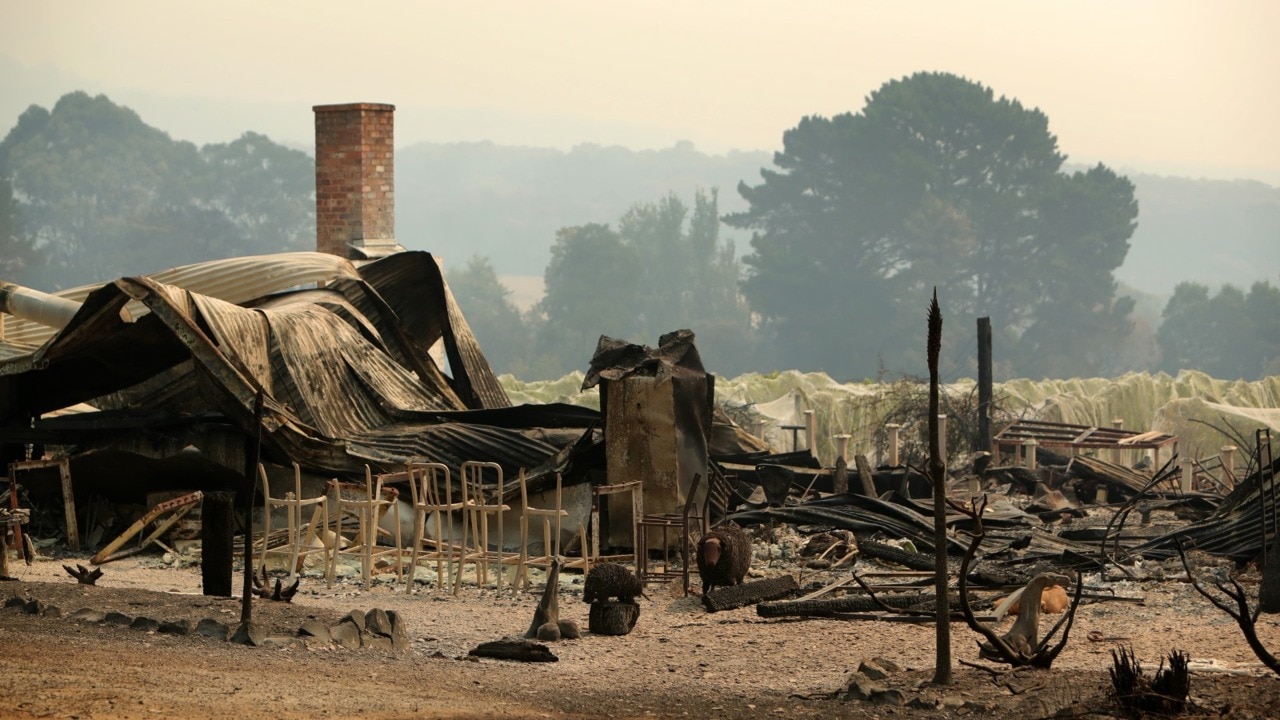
x=451, y=444
x=334, y=379
x=1234, y=529
x=97, y=354
x=413, y=286
x=544, y=416
x=236, y=280
x=339, y=391
x=14, y=350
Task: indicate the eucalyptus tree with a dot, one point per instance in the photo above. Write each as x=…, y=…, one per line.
x=934, y=183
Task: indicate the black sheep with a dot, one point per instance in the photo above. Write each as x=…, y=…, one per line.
x=724, y=556
x=608, y=580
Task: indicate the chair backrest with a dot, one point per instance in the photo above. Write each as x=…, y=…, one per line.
x=354, y=493
x=473, y=474
x=297, y=481
x=430, y=483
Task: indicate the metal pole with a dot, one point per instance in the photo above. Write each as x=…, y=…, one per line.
x=252, y=457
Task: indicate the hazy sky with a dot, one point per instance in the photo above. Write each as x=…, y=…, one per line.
x=1164, y=86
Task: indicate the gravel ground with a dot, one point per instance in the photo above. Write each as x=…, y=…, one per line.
x=679, y=661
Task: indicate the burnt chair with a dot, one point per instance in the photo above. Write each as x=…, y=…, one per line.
x=674, y=528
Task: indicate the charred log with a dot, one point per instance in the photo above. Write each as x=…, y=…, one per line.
x=520, y=649
x=736, y=596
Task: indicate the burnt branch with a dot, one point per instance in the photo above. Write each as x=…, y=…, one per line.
x=1241, y=613
x=885, y=606
x=280, y=593
x=979, y=533
x=1018, y=647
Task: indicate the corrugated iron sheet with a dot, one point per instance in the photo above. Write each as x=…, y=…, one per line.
x=412, y=282
x=344, y=367
x=235, y=280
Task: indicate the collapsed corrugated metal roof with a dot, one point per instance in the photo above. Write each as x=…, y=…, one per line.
x=345, y=368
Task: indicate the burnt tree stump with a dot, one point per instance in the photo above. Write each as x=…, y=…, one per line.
x=610, y=617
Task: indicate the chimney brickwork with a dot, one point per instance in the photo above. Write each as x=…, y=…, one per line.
x=355, y=178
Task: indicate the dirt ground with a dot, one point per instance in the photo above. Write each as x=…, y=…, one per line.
x=679, y=661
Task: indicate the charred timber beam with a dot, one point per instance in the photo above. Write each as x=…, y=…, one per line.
x=736, y=596
x=846, y=604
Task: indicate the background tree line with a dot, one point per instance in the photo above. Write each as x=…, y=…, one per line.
x=99, y=195
x=934, y=182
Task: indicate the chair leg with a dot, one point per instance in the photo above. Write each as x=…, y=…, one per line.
x=395, y=518
x=444, y=571
x=522, y=570
x=684, y=564
x=369, y=535
x=295, y=522
x=586, y=555
x=419, y=520
x=462, y=558
x=266, y=532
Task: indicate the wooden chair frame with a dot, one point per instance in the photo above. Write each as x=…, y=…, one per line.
x=550, y=543
x=475, y=523
x=297, y=545
x=368, y=503
x=431, y=485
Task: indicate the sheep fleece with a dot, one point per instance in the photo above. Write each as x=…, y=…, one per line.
x=608, y=580
x=734, y=557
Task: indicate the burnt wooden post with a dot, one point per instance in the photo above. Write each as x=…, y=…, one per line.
x=252, y=456
x=840, y=475
x=983, y=441
x=217, y=528
x=937, y=473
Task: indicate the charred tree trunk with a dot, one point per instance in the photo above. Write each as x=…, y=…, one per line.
x=548, y=612
x=937, y=474
x=252, y=456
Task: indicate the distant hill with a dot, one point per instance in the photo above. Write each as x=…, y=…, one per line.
x=506, y=203
x=1208, y=231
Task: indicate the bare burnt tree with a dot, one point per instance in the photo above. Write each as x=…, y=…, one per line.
x=1019, y=647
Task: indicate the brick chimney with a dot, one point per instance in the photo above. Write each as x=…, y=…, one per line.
x=355, y=180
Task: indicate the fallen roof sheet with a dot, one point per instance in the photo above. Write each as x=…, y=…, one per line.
x=344, y=369
x=236, y=280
